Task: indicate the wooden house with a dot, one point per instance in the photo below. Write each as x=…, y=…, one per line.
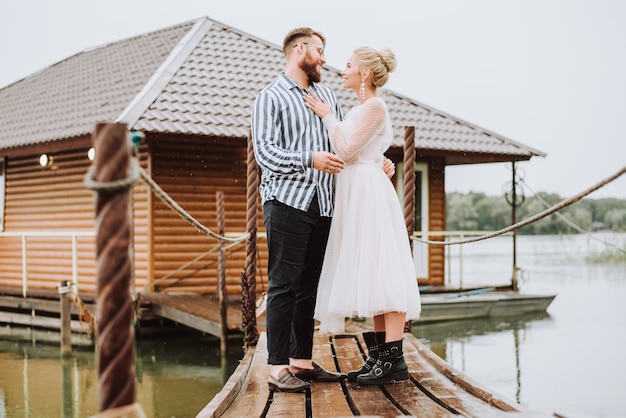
x=189, y=88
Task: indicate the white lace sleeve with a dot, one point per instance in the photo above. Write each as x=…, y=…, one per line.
x=367, y=124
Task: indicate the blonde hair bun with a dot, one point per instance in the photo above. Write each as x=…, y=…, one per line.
x=381, y=63
x=388, y=58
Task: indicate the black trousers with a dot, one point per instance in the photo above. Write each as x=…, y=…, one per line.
x=296, y=245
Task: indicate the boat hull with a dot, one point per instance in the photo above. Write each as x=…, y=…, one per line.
x=455, y=306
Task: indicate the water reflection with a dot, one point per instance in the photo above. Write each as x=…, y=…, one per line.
x=448, y=339
x=176, y=376
x=442, y=331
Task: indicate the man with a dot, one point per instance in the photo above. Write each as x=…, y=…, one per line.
x=293, y=150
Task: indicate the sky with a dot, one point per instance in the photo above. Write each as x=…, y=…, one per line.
x=549, y=74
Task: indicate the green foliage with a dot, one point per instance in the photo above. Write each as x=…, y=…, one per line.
x=609, y=256
x=478, y=212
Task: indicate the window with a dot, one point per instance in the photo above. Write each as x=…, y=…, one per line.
x=420, y=250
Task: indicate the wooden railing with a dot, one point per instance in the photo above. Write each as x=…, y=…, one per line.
x=450, y=237
x=31, y=234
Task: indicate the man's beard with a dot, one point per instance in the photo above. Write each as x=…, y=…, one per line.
x=310, y=69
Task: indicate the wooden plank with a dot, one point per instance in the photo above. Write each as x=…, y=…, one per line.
x=412, y=399
x=252, y=401
x=415, y=402
x=196, y=311
x=202, y=306
x=233, y=385
x=191, y=320
x=54, y=306
x=447, y=392
x=327, y=398
x=287, y=405
x=364, y=400
x=41, y=321
x=468, y=384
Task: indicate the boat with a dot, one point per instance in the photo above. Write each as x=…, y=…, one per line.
x=438, y=305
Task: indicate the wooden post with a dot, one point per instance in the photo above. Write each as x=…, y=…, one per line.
x=115, y=337
x=221, y=274
x=65, y=292
x=514, y=285
x=409, y=190
x=409, y=181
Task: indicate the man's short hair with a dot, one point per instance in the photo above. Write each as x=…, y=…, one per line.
x=295, y=35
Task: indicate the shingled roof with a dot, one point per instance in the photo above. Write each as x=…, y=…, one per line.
x=198, y=78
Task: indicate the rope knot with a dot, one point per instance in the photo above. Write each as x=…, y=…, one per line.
x=128, y=182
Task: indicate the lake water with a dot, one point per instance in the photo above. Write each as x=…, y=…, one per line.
x=569, y=360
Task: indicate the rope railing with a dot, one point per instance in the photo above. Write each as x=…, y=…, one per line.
x=136, y=172
x=570, y=223
x=195, y=260
x=533, y=218
x=160, y=193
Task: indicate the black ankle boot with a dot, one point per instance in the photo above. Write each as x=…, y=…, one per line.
x=389, y=367
x=372, y=341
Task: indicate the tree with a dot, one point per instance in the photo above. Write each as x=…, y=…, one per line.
x=462, y=215
x=476, y=211
x=615, y=220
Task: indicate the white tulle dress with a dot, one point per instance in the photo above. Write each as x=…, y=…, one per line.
x=368, y=266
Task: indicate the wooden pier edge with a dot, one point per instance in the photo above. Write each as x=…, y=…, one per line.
x=222, y=400
x=466, y=382
x=237, y=388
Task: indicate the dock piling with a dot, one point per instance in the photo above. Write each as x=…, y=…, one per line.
x=111, y=178
x=221, y=274
x=65, y=293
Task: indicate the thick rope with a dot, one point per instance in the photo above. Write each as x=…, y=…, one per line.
x=534, y=218
x=249, y=323
x=135, y=173
x=409, y=180
x=115, y=339
x=186, y=216
x=572, y=224
x=195, y=260
x=113, y=186
x=84, y=315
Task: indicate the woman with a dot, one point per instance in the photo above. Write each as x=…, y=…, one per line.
x=368, y=267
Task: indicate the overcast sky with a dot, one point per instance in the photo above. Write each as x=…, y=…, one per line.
x=550, y=74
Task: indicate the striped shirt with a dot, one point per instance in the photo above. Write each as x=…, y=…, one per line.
x=285, y=133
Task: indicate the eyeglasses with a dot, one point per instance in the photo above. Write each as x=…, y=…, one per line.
x=319, y=50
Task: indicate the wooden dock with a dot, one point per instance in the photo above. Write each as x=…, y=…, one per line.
x=195, y=311
x=41, y=311
x=202, y=312
x=435, y=389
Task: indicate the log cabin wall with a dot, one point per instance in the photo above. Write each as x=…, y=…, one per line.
x=51, y=199
x=191, y=171
x=437, y=220
x=54, y=200
x=141, y=200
